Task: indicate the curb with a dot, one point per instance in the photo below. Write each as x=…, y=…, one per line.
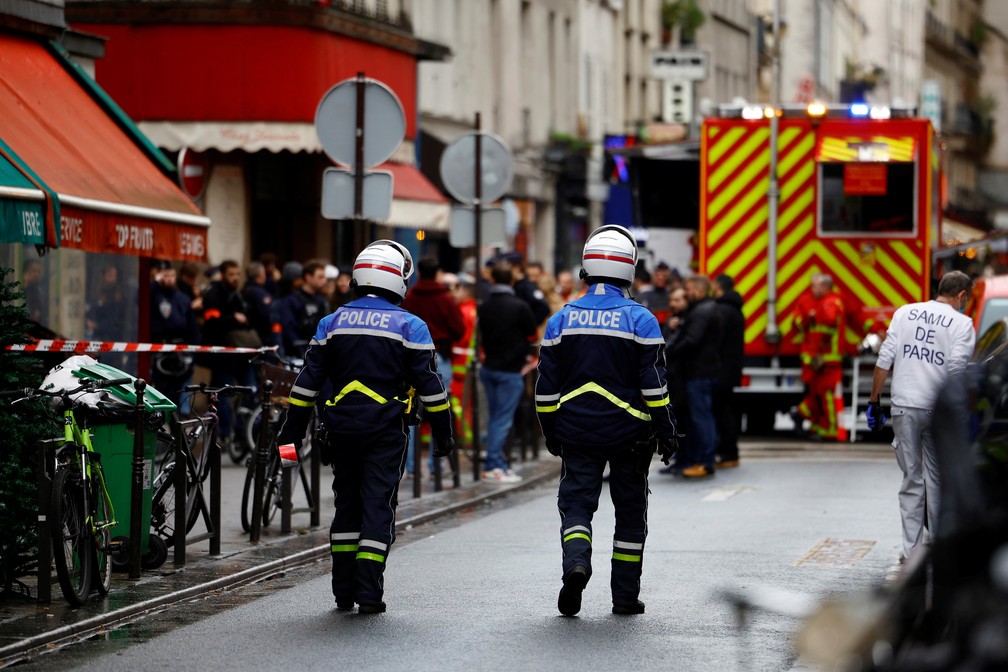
x=13, y=653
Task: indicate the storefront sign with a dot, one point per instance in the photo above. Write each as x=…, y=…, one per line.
x=116, y=234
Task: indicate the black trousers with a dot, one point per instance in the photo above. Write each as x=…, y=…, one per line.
x=580, y=488
x=728, y=418
x=366, y=474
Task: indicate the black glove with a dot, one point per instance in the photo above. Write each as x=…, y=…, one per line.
x=444, y=447
x=323, y=444
x=553, y=446
x=876, y=416
x=667, y=447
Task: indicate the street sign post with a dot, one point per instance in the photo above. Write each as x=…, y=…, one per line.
x=680, y=65
x=376, y=194
x=458, y=166
x=493, y=226
x=340, y=121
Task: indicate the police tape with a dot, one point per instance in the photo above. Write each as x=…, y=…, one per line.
x=80, y=347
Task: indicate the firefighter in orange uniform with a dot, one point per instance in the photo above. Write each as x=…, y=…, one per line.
x=821, y=322
x=463, y=351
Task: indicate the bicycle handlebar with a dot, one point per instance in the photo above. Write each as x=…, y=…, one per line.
x=222, y=391
x=86, y=385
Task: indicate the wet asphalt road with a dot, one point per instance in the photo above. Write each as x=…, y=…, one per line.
x=478, y=592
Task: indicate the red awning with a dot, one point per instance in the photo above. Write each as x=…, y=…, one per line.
x=409, y=183
x=112, y=197
x=416, y=203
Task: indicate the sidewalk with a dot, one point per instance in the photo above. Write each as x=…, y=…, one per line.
x=26, y=626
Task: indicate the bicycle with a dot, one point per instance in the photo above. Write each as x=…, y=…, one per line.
x=273, y=483
x=80, y=511
x=204, y=437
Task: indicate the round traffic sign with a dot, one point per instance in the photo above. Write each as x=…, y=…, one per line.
x=458, y=167
x=336, y=122
x=193, y=172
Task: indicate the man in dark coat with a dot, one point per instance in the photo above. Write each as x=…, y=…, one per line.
x=726, y=411
x=699, y=346
x=431, y=301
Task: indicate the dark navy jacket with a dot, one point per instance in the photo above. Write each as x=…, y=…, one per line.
x=299, y=314
x=602, y=372
x=172, y=317
x=371, y=352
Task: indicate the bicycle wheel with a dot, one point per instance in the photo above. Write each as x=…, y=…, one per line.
x=73, y=549
x=163, y=505
x=247, y=495
x=102, y=578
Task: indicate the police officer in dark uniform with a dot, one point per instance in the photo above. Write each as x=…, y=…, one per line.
x=369, y=353
x=300, y=311
x=172, y=321
x=602, y=398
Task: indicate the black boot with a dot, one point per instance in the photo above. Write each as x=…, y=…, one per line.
x=629, y=608
x=574, y=580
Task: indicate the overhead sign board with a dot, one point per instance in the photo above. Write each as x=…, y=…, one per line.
x=336, y=122
x=681, y=65
x=493, y=226
x=338, y=194
x=458, y=167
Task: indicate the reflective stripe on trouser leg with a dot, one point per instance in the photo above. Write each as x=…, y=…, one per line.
x=343, y=546
x=629, y=490
x=344, y=532
x=577, y=501
x=381, y=466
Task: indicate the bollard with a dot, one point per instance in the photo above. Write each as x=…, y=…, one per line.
x=261, y=456
x=474, y=400
x=181, y=490
x=316, y=482
x=45, y=548
x=136, y=491
x=417, y=462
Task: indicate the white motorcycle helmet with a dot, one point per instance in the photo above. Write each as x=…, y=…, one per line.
x=610, y=252
x=384, y=265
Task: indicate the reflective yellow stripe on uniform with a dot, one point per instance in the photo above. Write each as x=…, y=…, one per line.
x=356, y=386
x=344, y=542
x=577, y=532
x=622, y=551
x=368, y=555
x=606, y=394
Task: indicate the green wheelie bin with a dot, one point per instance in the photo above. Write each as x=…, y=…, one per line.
x=112, y=431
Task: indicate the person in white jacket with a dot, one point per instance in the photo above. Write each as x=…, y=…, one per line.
x=925, y=344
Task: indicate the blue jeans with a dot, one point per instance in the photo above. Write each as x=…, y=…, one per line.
x=703, y=443
x=503, y=392
x=444, y=371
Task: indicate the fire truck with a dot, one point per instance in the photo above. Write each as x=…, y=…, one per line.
x=856, y=197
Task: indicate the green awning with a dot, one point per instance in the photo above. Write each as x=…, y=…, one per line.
x=22, y=204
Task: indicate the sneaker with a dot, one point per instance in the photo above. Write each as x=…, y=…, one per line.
x=628, y=609
x=574, y=581
x=501, y=476
x=728, y=464
x=697, y=472
x=344, y=604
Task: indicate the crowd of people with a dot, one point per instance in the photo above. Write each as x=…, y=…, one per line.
x=265, y=304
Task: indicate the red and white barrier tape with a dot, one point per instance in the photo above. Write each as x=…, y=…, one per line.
x=80, y=347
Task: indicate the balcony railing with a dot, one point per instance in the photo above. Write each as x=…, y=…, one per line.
x=391, y=12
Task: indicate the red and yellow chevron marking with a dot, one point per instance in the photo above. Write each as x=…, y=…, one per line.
x=844, y=149
x=734, y=179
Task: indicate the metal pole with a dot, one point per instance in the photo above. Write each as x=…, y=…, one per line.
x=358, y=167
x=136, y=491
x=316, y=481
x=45, y=547
x=478, y=238
x=261, y=455
x=215, y=495
x=772, y=332
x=181, y=498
